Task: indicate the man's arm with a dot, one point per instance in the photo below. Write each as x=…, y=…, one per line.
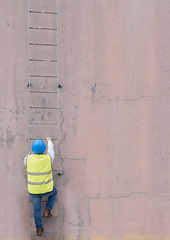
x=50, y=149
x=25, y=161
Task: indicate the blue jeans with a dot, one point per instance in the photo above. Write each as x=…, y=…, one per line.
x=36, y=202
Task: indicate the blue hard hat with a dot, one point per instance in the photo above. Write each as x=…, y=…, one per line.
x=38, y=146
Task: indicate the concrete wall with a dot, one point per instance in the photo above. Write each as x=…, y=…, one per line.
x=114, y=66
x=14, y=140
x=109, y=121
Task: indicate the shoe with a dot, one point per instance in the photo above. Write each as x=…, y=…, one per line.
x=47, y=213
x=39, y=231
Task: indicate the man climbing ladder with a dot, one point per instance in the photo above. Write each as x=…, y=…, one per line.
x=40, y=179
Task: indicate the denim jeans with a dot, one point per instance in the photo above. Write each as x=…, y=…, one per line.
x=36, y=202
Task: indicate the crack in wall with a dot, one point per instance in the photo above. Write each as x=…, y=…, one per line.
x=131, y=193
x=62, y=140
x=80, y=221
x=117, y=99
x=61, y=207
x=77, y=95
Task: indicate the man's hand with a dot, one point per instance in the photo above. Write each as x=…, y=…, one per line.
x=48, y=139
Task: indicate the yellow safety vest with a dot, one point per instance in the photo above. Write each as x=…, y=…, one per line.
x=39, y=174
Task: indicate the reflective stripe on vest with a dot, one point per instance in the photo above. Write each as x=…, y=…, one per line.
x=39, y=174
x=34, y=173
x=40, y=183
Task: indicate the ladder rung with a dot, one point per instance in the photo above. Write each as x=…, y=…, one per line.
x=42, y=28
x=43, y=107
x=41, y=92
x=43, y=76
x=42, y=12
x=32, y=139
x=42, y=60
x=40, y=123
x=43, y=44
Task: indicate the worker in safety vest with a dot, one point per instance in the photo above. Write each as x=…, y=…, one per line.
x=40, y=179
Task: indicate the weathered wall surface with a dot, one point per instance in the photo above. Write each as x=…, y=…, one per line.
x=114, y=66
x=109, y=121
x=14, y=222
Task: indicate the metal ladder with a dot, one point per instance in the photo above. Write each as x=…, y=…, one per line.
x=43, y=87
